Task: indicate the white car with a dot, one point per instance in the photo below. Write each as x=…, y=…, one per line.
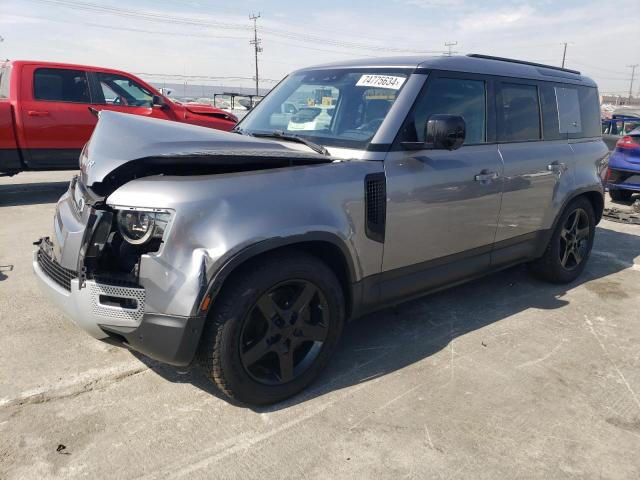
x=311, y=118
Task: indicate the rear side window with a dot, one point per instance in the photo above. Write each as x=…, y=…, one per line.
x=550, y=121
x=5, y=74
x=569, y=119
x=453, y=96
x=61, y=85
x=520, y=113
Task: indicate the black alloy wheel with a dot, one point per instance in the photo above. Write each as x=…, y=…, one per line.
x=273, y=327
x=284, y=331
x=569, y=246
x=574, y=239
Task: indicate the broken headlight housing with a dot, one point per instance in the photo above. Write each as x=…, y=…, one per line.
x=138, y=227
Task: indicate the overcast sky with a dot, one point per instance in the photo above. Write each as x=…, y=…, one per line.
x=211, y=38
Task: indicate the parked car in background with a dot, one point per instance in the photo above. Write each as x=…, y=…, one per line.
x=46, y=111
x=622, y=121
x=623, y=172
x=245, y=254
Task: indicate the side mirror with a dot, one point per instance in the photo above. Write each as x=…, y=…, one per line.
x=444, y=132
x=157, y=101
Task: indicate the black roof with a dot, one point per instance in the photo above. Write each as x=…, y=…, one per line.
x=470, y=63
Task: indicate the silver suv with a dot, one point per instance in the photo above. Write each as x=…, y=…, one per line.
x=246, y=252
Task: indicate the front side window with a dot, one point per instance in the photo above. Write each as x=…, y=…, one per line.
x=521, y=113
x=453, y=96
x=122, y=91
x=341, y=108
x=61, y=85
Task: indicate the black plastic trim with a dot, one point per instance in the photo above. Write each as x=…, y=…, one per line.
x=169, y=339
x=378, y=147
x=413, y=281
x=215, y=284
x=52, y=158
x=375, y=206
x=10, y=161
x=522, y=62
x=574, y=195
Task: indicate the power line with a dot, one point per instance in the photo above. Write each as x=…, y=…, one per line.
x=168, y=19
x=256, y=42
x=199, y=77
x=593, y=67
x=192, y=35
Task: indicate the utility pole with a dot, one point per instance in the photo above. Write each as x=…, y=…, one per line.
x=256, y=46
x=633, y=74
x=564, y=53
x=449, y=45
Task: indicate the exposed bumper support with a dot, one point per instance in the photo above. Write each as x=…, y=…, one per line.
x=170, y=339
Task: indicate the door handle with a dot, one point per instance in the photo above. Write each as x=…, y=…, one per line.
x=485, y=176
x=557, y=167
x=37, y=113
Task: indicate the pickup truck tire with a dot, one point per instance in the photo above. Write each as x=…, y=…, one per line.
x=620, y=195
x=570, y=245
x=273, y=328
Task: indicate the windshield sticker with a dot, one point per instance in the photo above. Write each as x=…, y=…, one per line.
x=381, y=81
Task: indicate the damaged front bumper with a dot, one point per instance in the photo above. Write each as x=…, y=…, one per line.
x=115, y=311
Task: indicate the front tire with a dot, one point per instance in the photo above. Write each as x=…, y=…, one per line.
x=620, y=195
x=570, y=245
x=273, y=328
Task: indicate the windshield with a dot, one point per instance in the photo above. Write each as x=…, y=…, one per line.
x=340, y=108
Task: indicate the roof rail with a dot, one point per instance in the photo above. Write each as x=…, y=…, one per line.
x=522, y=62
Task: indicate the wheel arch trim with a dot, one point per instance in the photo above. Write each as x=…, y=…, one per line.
x=586, y=192
x=264, y=246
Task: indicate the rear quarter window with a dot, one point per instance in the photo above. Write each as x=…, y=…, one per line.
x=569, y=118
x=589, y=111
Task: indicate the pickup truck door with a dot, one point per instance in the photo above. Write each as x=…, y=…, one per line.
x=442, y=206
x=120, y=93
x=56, y=121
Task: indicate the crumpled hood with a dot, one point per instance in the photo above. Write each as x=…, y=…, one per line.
x=203, y=109
x=125, y=146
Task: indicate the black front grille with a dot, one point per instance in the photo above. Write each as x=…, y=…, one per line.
x=55, y=271
x=375, y=196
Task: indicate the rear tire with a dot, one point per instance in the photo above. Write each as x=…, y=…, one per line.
x=273, y=328
x=570, y=245
x=620, y=195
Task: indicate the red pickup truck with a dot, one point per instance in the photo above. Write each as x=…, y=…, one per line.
x=48, y=111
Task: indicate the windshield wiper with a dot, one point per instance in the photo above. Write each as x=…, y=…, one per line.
x=294, y=138
x=239, y=130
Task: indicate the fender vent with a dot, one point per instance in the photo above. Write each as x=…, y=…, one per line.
x=375, y=197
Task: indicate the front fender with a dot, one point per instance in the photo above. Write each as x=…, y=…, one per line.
x=219, y=219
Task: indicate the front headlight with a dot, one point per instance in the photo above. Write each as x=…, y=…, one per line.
x=139, y=226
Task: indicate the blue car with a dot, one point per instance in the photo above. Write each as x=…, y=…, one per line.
x=623, y=174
